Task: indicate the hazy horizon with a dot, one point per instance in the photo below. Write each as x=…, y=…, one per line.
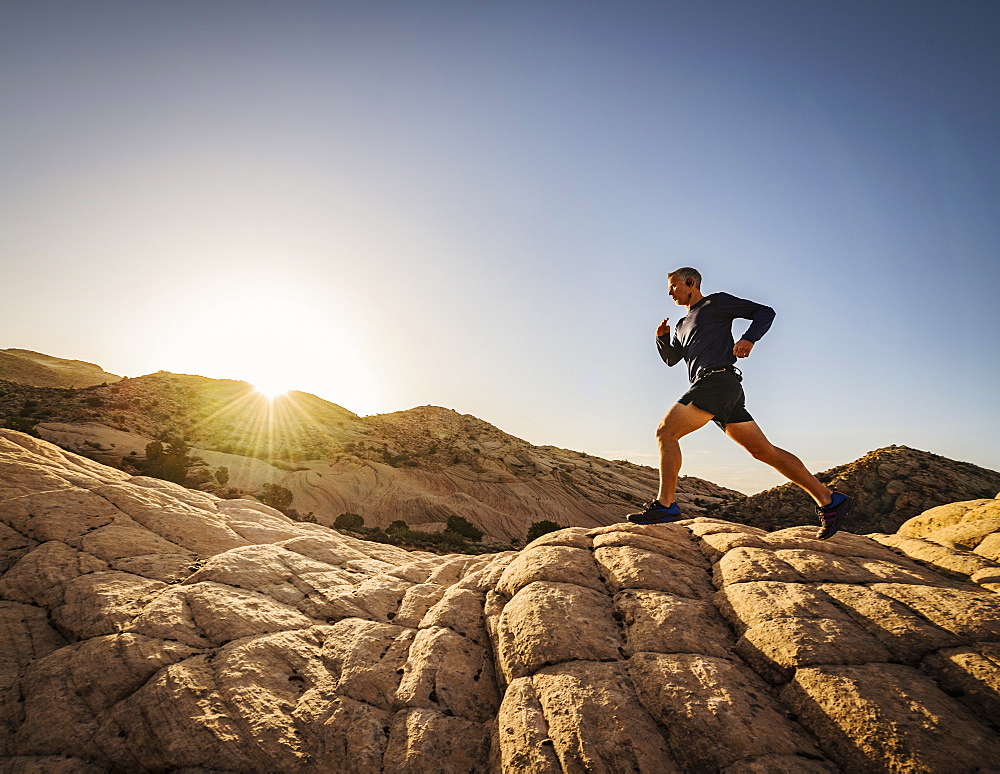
x=475, y=206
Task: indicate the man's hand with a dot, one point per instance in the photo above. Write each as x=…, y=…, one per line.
x=742, y=348
x=664, y=328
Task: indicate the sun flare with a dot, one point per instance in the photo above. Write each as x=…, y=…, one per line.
x=271, y=390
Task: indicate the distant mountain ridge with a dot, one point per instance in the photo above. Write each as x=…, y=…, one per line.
x=418, y=466
x=889, y=485
x=33, y=368
x=426, y=463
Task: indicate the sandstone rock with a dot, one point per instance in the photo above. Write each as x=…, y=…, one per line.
x=211, y=614
x=367, y=659
x=347, y=736
x=659, y=622
x=947, y=559
x=461, y=610
x=596, y=722
x=416, y=602
x=451, y=674
x=157, y=629
x=972, y=615
x=888, y=717
x=423, y=740
x=548, y=623
x=523, y=733
x=715, y=712
x=635, y=568
x=907, y=635
x=972, y=675
x=948, y=515
x=558, y=564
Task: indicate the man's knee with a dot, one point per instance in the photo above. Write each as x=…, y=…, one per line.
x=680, y=420
x=665, y=432
x=763, y=451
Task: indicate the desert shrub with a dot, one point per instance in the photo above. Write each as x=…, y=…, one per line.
x=397, y=527
x=94, y=400
x=222, y=475
x=29, y=408
x=276, y=496
x=540, y=528
x=462, y=526
x=170, y=464
x=349, y=521
x=21, y=424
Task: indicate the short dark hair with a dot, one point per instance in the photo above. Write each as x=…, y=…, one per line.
x=686, y=273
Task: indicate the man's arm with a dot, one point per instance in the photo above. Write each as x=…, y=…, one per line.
x=761, y=315
x=669, y=348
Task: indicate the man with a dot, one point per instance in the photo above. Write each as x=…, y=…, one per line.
x=704, y=339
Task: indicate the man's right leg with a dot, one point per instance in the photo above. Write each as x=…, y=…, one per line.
x=680, y=420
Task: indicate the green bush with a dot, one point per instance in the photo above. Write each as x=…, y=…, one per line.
x=349, y=521
x=465, y=528
x=397, y=527
x=21, y=424
x=222, y=475
x=540, y=528
x=170, y=464
x=276, y=496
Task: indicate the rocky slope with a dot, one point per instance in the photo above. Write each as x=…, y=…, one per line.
x=33, y=368
x=148, y=627
x=890, y=485
x=418, y=466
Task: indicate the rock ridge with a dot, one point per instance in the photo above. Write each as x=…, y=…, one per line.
x=419, y=466
x=148, y=627
x=890, y=486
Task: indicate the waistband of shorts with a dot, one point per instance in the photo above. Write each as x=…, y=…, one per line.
x=729, y=369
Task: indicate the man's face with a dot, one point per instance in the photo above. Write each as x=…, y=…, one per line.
x=680, y=291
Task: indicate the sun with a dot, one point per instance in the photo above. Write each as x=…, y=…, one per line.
x=272, y=390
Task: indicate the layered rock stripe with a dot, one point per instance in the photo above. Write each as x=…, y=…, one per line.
x=147, y=627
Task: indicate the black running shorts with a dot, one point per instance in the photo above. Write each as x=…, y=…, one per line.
x=721, y=395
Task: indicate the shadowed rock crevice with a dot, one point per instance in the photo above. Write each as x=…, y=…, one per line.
x=264, y=644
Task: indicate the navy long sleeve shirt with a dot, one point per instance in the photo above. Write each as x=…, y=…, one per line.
x=704, y=336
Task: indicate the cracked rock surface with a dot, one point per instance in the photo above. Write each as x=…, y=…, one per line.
x=148, y=628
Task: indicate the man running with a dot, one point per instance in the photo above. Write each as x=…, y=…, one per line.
x=704, y=339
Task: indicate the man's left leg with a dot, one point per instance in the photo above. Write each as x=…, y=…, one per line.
x=831, y=506
x=752, y=438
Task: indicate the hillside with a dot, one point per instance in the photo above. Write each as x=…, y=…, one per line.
x=418, y=466
x=148, y=627
x=889, y=485
x=33, y=368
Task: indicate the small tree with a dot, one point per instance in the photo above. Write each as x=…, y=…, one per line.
x=396, y=527
x=276, y=496
x=349, y=521
x=170, y=464
x=462, y=526
x=154, y=450
x=222, y=475
x=540, y=528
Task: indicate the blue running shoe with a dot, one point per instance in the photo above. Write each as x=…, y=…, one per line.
x=657, y=513
x=832, y=516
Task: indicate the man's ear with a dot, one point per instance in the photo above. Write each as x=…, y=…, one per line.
x=689, y=282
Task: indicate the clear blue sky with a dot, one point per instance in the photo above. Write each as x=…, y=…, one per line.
x=474, y=204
